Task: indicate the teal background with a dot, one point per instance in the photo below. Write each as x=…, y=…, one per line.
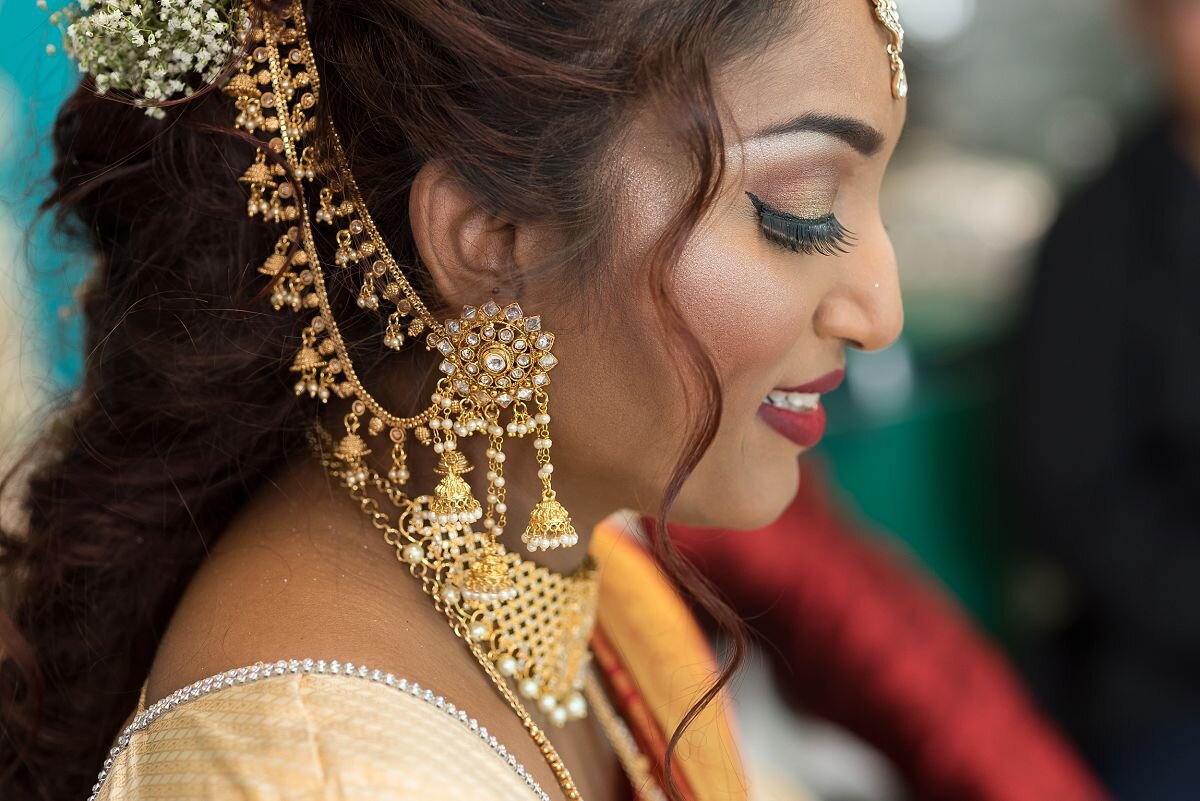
x=32, y=85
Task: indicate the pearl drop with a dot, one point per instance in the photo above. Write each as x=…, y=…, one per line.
x=413, y=554
x=507, y=666
x=438, y=447
x=559, y=716
x=500, y=457
x=501, y=508
x=450, y=595
x=548, y=703
x=576, y=706
x=529, y=688
x=479, y=631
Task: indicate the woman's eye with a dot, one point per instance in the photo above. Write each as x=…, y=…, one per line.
x=824, y=235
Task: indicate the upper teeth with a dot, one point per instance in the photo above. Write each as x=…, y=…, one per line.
x=796, y=401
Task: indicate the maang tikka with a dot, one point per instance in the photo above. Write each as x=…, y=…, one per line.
x=495, y=363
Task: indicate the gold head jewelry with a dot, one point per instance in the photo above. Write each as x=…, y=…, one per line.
x=889, y=15
x=528, y=626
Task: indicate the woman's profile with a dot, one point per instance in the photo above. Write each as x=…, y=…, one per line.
x=397, y=306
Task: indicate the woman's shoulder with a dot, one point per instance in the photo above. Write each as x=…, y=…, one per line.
x=318, y=729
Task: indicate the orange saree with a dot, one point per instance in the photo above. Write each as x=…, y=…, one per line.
x=656, y=662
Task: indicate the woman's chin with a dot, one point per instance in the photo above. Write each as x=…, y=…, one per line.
x=739, y=502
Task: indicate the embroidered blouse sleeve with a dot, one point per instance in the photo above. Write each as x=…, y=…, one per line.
x=309, y=736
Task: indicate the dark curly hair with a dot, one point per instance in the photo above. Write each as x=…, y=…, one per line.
x=186, y=402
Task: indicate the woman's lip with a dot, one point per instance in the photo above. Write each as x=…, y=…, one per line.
x=803, y=428
x=826, y=383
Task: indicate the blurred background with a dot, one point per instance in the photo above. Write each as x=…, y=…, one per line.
x=1015, y=107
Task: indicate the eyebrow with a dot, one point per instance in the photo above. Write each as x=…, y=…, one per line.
x=856, y=133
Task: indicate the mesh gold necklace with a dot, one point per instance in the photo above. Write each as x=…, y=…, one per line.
x=554, y=634
x=537, y=639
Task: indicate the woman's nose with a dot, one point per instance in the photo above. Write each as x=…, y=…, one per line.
x=864, y=307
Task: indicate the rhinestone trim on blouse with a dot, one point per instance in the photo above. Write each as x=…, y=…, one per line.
x=260, y=670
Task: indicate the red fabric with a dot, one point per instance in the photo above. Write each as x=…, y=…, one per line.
x=868, y=642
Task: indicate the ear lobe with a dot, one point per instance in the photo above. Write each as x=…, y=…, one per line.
x=467, y=250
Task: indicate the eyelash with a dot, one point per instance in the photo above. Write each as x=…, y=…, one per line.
x=824, y=235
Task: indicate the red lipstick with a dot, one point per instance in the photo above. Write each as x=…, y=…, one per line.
x=826, y=383
x=802, y=426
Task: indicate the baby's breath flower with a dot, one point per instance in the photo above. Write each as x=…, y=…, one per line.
x=151, y=48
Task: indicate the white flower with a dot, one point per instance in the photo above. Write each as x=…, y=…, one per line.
x=151, y=48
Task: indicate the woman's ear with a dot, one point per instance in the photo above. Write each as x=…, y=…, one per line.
x=468, y=251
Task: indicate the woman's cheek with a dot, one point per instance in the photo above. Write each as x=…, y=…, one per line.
x=745, y=306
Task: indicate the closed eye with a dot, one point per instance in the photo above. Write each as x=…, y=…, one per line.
x=823, y=235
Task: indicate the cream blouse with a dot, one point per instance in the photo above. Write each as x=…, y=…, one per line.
x=309, y=730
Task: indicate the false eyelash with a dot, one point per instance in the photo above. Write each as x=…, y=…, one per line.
x=824, y=235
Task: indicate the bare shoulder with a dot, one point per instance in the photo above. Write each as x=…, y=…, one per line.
x=301, y=574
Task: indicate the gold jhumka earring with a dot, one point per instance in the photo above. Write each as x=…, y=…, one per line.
x=495, y=363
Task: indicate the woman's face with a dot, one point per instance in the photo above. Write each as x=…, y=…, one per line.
x=810, y=125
